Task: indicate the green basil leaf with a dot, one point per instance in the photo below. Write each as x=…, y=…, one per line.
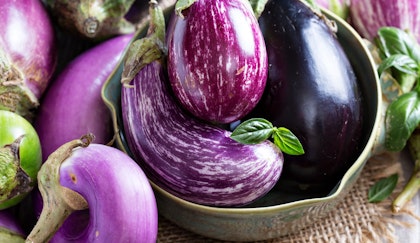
x=287, y=142
x=382, y=188
x=253, y=131
x=402, y=117
x=401, y=62
x=392, y=40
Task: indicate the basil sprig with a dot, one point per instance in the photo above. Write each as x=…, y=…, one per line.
x=382, y=188
x=257, y=130
x=400, y=54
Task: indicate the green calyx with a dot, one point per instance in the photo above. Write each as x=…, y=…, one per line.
x=148, y=49
x=15, y=96
x=13, y=180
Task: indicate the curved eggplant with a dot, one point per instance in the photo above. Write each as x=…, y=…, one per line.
x=217, y=60
x=313, y=91
x=185, y=156
x=80, y=175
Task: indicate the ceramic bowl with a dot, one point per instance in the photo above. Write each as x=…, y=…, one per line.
x=273, y=215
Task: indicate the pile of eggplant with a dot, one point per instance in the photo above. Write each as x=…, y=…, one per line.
x=222, y=101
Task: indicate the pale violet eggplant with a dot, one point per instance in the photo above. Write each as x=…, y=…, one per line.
x=28, y=55
x=217, y=60
x=10, y=229
x=73, y=106
x=94, y=193
x=367, y=16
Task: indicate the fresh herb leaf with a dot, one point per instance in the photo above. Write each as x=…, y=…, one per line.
x=253, y=131
x=257, y=130
x=382, y=189
x=401, y=62
x=392, y=40
x=402, y=117
x=287, y=142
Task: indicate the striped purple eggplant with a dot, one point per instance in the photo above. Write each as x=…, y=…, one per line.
x=188, y=158
x=183, y=155
x=94, y=193
x=367, y=16
x=217, y=61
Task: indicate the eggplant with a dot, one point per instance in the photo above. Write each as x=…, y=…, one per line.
x=10, y=230
x=72, y=105
x=217, y=60
x=28, y=55
x=185, y=156
x=312, y=90
x=94, y=193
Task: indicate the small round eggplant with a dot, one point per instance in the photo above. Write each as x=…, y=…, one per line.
x=20, y=158
x=28, y=55
x=313, y=91
x=80, y=175
x=193, y=160
x=72, y=105
x=217, y=60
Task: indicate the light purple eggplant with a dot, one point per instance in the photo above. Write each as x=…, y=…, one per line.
x=72, y=106
x=10, y=230
x=367, y=16
x=28, y=55
x=217, y=60
x=191, y=159
x=80, y=175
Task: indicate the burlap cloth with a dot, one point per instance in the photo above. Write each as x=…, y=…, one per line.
x=354, y=220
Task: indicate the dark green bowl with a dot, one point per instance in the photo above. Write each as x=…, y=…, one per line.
x=269, y=217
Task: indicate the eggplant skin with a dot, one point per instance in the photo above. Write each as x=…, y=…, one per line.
x=191, y=159
x=217, y=59
x=313, y=91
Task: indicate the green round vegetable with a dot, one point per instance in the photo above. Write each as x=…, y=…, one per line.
x=20, y=158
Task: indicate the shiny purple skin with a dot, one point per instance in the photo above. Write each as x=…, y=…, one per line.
x=73, y=106
x=9, y=223
x=312, y=90
x=27, y=38
x=188, y=158
x=122, y=205
x=217, y=61
x=367, y=16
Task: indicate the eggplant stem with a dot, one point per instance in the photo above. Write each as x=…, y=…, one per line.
x=58, y=202
x=413, y=185
x=148, y=49
x=408, y=192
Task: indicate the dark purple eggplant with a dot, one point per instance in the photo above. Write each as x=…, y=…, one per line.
x=217, y=61
x=191, y=159
x=312, y=90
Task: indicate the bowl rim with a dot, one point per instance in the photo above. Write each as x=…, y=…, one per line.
x=358, y=164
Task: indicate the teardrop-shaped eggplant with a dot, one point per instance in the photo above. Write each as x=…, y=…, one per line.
x=217, y=60
x=313, y=90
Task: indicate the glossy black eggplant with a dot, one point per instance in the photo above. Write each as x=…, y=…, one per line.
x=312, y=90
